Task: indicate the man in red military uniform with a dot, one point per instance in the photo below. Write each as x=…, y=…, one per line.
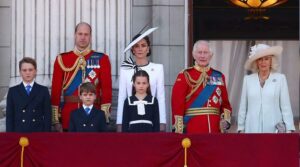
x=199, y=97
x=75, y=67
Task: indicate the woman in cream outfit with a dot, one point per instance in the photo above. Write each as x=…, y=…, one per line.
x=141, y=50
x=265, y=104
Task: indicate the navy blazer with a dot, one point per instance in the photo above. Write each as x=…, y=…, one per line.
x=81, y=122
x=28, y=113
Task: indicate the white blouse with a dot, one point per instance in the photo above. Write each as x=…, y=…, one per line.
x=156, y=76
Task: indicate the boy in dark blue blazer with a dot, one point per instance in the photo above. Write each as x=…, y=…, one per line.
x=28, y=107
x=87, y=118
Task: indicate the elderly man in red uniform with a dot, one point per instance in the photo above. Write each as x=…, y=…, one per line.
x=199, y=97
x=75, y=67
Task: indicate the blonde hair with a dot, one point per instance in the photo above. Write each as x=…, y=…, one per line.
x=274, y=65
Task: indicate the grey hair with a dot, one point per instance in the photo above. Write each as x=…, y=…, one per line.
x=197, y=43
x=274, y=65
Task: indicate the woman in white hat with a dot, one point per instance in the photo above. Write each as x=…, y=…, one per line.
x=265, y=104
x=140, y=49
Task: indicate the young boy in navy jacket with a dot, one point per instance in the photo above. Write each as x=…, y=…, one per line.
x=87, y=118
x=28, y=106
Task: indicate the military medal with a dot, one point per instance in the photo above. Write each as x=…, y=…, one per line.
x=92, y=74
x=218, y=90
x=215, y=99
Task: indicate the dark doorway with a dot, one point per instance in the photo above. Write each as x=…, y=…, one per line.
x=221, y=20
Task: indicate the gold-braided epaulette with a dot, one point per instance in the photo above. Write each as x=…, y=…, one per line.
x=63, y=67
x=79, y=63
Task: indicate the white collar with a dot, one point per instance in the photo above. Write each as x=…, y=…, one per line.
x=90, y=107
x=31, y=84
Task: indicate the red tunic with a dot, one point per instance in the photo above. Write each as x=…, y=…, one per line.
x=193, y=117
x=64, y=68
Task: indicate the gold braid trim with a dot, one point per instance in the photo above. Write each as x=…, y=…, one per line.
x=79, y=63
x=63, y=67
x=195, y=84
x=83, y=52
x=178, y=125
x=226, y=115
x=55, y=115
x=106, y=108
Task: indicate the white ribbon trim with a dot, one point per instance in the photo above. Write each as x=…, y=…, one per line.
x=140, y=121
x=140, y=105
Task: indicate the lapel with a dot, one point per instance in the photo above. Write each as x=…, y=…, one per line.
x=82, y=113
x=84, y=116
x=22, y=91
x=92, y=113
x=23, y=95
x=34, y=91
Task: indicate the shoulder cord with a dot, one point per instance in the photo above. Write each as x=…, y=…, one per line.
x=195, y=84
x=79, y=63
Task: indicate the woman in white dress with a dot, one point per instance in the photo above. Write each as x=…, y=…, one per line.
x=141, y=51
x=265, y=104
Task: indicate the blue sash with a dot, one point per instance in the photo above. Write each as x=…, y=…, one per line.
x=95, y=57
x=203, y=96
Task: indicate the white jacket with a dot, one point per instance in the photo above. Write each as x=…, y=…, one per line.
x=262, y=108
x=156, y=74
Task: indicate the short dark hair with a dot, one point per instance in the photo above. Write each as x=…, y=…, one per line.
x=141, y=73
x=83, y=23
x=27, y=60
x=87, y=87
x=147, y=39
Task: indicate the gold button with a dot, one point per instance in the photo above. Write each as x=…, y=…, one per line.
x=23, y=111
x=84, y=124
x=33, y=120
x=23, y=120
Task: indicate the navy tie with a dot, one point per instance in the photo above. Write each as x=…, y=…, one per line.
x=87, y=111
x=28, y=89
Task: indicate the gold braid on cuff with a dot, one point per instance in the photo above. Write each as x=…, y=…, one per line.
x=55, y=115
x=106, y=109
x=226, y=115
x=178, y=125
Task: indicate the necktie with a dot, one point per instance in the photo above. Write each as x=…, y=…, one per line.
x=28, y=89
x=87, y=111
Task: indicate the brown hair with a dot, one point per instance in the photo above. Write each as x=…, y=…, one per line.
x=141, y=73
x=146, y=38
x=87, y=87
x=27, y=60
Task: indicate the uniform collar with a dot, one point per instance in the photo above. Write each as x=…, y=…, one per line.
x=202, y=69
x=83, y=52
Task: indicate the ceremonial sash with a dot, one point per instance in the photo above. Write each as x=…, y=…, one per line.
x=203, y=96
x=95, y=57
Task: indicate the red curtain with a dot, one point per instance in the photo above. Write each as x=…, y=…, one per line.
x=149, y=150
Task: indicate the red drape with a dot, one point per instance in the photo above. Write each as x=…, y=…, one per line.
x=149, y=150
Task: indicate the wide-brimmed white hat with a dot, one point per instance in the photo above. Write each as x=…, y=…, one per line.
x=261, y=50
x=139, y=38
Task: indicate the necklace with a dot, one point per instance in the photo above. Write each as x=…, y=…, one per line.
x=262, y=80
